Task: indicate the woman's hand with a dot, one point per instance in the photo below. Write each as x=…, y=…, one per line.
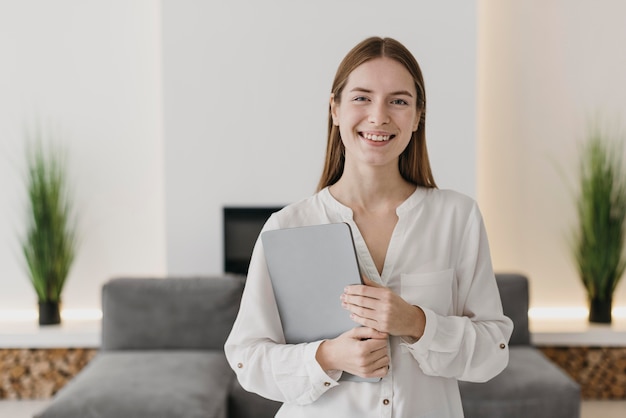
x=361, y=351
x=377, y=307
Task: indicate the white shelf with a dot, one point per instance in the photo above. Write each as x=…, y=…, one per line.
x=69, y=334
x=577, y=332
x=86, y=334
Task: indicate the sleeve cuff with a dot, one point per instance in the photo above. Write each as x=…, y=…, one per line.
x=422, y=345
x=320, y=380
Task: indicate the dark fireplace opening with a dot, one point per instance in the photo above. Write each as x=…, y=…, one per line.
x=242, y=226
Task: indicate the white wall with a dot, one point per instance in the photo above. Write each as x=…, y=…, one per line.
x=246, y=89
x=545, y=69
x=173, y=109
x=246, y=85
x=89, y=71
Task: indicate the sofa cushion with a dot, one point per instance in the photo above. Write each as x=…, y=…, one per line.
x=147, y=384
x=530, y=386
x=243, y=404
x=186, y=313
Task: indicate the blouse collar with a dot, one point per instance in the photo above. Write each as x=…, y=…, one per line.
x=411, y=202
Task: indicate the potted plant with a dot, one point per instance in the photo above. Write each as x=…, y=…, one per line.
x=598, y=238
x=49, y=244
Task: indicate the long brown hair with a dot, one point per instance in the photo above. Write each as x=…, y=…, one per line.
x=413, y=163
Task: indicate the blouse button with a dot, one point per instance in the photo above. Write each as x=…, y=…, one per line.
x=502, y=346
x=326, y=384
x=239, y=365
x=386, y=402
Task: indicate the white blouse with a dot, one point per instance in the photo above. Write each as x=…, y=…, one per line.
x=438, y=259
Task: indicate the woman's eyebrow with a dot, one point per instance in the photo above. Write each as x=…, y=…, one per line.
x=395, y=93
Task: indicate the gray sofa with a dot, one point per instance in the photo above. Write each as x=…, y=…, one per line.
x=531, y=385
x=162, y=356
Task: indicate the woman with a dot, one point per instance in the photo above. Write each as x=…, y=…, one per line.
x=430, y=312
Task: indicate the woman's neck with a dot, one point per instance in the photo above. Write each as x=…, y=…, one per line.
x=372, y=189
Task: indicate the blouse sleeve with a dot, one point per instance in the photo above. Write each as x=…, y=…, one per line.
x=472, y=344
x=256, y=348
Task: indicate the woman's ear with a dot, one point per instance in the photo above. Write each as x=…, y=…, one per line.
x=416, y=122
x=333, y=109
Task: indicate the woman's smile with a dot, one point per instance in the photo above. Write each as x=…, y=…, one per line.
x=376, y=137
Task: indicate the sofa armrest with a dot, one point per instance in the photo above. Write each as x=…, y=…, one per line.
x=514, y=295
x=169, y=313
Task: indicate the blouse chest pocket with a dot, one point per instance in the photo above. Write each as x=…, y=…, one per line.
x=431, y=290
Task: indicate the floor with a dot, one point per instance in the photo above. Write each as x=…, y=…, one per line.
x=590, y=409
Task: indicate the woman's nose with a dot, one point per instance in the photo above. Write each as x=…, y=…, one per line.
x=378, y=114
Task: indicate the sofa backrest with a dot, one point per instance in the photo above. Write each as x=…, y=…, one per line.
x=198, y=313
x=169, y=313
x=514, y=294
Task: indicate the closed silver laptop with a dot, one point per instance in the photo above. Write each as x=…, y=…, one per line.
x=309, y=268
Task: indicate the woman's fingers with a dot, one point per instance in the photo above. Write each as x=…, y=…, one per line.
x=368, y=356
x=381, y=309
x=365, y=333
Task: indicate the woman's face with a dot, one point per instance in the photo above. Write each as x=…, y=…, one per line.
x=377, y=113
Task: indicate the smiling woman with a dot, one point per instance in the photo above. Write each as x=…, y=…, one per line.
x=376, y=114
x=429, y=311
x=413, y=163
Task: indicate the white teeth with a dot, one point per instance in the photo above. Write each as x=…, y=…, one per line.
x=376, y=138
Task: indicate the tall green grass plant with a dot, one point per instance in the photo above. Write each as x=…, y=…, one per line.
x=49, y=244
x=598, y=244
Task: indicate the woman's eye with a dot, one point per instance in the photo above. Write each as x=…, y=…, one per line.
x=399, y=102
x=360, y=99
